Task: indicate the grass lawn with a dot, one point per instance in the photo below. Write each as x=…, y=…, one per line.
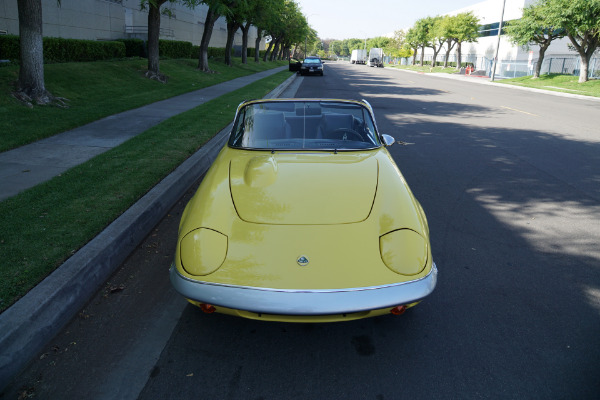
x=43, y=226
x=558, y=83
x=99, y=89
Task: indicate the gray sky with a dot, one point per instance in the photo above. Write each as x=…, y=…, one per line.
x=344, y=19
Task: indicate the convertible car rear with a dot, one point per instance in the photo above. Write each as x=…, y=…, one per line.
x=304, y=217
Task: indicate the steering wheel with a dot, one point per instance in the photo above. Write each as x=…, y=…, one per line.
x=346, y=134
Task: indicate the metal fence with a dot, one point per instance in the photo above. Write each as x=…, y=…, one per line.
x=550, y=65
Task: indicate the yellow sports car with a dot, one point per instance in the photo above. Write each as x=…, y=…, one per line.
x=304, y=217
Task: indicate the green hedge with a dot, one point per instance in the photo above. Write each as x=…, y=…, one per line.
x=174, y=49
x=65, y=50
x=134, y=47
x=73, y=50
x=250, y=52
x=9, y=47
x=69, y=50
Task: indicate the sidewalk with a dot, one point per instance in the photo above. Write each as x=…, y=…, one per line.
x=28, y=325
x=38, y=162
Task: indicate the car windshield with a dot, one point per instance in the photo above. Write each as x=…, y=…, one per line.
x=312, y=61
x=294, y=125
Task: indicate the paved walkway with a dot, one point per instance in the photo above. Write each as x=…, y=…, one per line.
x=27, y=166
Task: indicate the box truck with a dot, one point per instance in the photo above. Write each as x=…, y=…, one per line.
x=359, y=56
x=375, y=57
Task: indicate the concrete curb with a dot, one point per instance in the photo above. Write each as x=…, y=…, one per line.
x=28, y=325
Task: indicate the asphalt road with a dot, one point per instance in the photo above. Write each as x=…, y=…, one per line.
x=510, y=182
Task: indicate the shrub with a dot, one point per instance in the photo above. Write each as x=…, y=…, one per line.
x=216, y=52
x=65, y=50
x=250, y=53
x=69, y=50
x=134, y=47
x=9, y=47
x=174, y=49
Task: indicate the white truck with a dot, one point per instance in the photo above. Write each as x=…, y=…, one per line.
x=359, y=56
x=375, y=57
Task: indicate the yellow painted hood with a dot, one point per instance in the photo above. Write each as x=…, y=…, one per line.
x=303, y=188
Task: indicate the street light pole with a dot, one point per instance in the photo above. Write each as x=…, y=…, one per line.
x=498, y=43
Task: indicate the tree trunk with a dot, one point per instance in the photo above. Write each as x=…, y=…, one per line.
x=538, y=66
x=245, y=29
x=209, y=23
x=257, y=45
x=422, y=54
x=583, y=71
x=587, y=47
x=458, y=55
x=449, y=44
x=31, y=72
x=153, y=35
x=268, y=49
x=275, y=50
x=433, y=61
x=232, y=28
x=415, y=54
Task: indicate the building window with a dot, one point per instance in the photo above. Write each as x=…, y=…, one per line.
x=492, y=29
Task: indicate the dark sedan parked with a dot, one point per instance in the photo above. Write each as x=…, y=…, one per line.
x=312, y=65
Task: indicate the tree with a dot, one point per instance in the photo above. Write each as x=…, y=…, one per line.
x=31, y=86
x=287, y=26
x=154, y=14
x=437, y=37
x=335, y=47
x=457, y=29
x=422, y=35
x=237, y=15
x=581, y=20
x=378, y=42
x=216, y=8
x=256, y=11
x=355, y=44
x=533, y=28
x=396, y=44
x=465, y=29
x=411, y=41
x=448, y=27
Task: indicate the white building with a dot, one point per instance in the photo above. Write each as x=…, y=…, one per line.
x=119, y=19
x=512, y=60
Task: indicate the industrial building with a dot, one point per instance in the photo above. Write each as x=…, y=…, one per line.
x=119, y=19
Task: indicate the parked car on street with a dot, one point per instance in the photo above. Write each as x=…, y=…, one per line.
x=312, y=66
x=304, y=217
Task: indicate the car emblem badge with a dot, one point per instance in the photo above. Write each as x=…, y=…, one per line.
x=302, y=261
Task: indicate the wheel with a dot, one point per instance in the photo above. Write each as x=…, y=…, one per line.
x=345, y=134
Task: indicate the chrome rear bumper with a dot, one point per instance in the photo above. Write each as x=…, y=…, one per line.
x=304, y=302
